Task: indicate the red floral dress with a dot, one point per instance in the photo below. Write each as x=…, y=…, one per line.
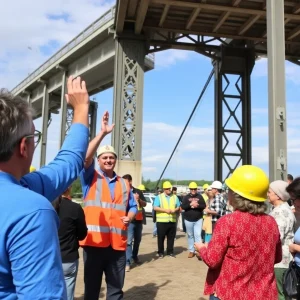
x=241, y=257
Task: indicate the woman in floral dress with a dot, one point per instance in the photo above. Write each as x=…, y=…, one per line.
x=285, y=219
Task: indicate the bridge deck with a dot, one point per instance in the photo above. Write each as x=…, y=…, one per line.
x=233, y=19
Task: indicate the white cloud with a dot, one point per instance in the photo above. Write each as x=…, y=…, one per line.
x=44, y=27
x=168, y=58
x=292, y=71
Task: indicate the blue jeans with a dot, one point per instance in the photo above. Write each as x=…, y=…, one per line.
x=70, y=274
x=212, y=297
x=154, y=229
x=193, y=230
x=134, y=233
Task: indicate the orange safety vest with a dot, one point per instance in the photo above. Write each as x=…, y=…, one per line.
x=103, y=214
x=139, y=214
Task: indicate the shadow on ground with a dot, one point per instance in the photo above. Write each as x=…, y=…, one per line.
x=149, y=257
x=145, y=292
x=101, y=296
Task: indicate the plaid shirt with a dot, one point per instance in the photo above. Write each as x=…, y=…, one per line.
x=218, y=205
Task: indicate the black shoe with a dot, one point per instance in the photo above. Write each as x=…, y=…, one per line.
x=136, y=261
x=160, y=255
x=172, y=255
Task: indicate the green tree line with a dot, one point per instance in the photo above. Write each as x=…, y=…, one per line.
x=149, y=184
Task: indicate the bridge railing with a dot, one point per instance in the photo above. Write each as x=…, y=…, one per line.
x=106, y=17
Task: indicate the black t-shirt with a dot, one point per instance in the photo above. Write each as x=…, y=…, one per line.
x=193, y=214
x=71, y=230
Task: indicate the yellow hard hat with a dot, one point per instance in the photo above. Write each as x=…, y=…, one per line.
x=249, y=182
x=205, y=186
x=141, y=187
x=193, y=185
x=167, y=185
x=32, y=169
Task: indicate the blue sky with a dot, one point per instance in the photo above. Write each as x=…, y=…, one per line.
x=170, y=93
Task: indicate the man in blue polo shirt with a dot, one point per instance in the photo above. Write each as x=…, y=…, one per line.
x=30, y=262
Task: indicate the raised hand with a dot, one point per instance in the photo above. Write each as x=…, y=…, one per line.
x=105, y=128
x=77, y=94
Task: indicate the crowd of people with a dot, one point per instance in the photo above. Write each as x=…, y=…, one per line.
x=246, y=247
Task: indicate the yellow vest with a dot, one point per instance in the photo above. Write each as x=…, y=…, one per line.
x=205, y=197
x=162, y=217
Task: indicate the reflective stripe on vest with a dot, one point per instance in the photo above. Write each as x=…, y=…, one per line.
x=164, y=203
x=106, y=229
x=103, y=214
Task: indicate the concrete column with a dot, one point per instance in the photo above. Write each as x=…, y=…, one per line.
x=93, y=118
x=128, y=107
x=276, y=87
x=63, y=110
x=45, y=119
x=29, y=99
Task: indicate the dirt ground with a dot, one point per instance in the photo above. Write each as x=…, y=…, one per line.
x=162, y=279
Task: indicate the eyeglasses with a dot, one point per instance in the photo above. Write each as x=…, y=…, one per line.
x=193, y=189
x=37, y=135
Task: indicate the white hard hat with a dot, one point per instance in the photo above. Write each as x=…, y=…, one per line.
x=106, y=149
x=217, y=185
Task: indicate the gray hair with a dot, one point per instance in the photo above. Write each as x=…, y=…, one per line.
x=245, y=205
x=15, y=122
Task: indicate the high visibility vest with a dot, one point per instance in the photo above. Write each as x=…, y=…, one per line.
x=205, y=197
x=103, y=214
x=162, y=217
x=139, y=214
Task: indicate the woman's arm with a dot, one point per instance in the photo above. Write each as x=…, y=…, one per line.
x=94, y=143
x=215, y=251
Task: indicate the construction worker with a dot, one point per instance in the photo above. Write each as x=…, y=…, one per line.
x=140, y=190
x=245, y=244
x=166, y=206
x=109, y=207
x=193, y=205
x=135, y=228
x=218, y=206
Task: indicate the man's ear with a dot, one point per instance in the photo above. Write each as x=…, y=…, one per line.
x=23, y=148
